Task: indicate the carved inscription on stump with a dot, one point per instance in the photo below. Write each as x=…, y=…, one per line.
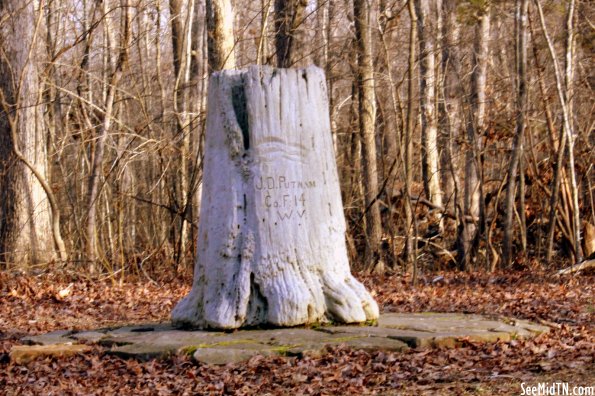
x=283, y=199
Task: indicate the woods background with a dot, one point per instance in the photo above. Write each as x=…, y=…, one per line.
x=463, y=130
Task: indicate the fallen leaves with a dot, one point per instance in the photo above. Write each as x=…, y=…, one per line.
x=31, y=305
x=40, y=304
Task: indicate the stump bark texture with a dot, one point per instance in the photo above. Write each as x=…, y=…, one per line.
x=271, y=245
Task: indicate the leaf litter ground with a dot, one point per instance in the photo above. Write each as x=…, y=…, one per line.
x=37, y=304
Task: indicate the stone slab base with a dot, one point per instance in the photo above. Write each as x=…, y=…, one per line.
x=394, y=332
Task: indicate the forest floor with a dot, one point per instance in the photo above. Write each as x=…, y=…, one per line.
x=36, y=304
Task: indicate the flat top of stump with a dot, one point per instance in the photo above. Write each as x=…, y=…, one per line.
x=394, y=332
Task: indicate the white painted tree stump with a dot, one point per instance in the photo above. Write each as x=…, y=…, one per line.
x=271, y=244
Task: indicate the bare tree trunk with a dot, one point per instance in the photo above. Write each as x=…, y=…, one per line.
x=558, y=148
x=289, y=15
x=469, y=236
x=29, y=212
x=355, y=194
x=262, y=52
x=394, y=130
x=409, y=253
x=177, y=34
x=452, y=124
x=517, y=144
x=96, y=169
x=323, y=19
x=427, y=96
x=569, y=83
x=198, y=77
x=180, y=183
x=325, y=62
x=182, y=38
x=566, y=119
x=367, y=124
x=220, y=36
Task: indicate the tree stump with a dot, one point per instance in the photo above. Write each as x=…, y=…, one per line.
x=271, y=244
